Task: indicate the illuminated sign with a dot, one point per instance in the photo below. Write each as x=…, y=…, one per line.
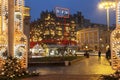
x=62, y=12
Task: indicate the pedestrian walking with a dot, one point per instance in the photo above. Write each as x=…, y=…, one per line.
x=99, y=54
x=86, y=54
x=108, y=54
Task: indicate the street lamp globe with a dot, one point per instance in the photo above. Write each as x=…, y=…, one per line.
x=107, y=4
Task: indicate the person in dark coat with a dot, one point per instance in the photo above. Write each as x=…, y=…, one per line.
x=108, y=54
x=86, y=54
x=99, y=54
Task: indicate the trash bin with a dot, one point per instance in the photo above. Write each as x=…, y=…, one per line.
x=87, y=55
x=66, y=63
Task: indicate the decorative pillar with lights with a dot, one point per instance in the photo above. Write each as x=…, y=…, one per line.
x=20, y=40
x=13, y=42
x=115, y=40
x=3, y=33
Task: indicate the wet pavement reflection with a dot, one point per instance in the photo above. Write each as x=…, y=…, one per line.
x=89, y=66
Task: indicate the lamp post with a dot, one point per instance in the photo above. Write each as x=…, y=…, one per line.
x=107, y=5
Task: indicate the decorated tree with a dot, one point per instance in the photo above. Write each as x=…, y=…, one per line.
x=12, y=68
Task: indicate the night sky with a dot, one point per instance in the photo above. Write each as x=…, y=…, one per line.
x=89, y=9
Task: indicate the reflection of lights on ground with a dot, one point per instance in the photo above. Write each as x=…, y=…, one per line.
x=88, y=66
x=103, y=70
x=103, y=67
x=46, y=71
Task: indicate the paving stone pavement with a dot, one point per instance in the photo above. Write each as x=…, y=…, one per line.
x=64, y=77
x=87, y=69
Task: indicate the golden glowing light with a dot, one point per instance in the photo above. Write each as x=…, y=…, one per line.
x=106, y=4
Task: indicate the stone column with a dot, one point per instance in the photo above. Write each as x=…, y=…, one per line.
x=11, y=27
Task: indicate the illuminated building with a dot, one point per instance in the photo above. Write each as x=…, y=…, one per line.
x=93, y=38
x=13, y=42
x=52, y=30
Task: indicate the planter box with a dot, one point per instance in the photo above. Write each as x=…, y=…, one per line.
x=66, y=63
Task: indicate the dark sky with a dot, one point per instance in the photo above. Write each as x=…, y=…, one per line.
x=89, y=9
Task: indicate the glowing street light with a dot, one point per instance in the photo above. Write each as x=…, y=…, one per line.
x=107, y=4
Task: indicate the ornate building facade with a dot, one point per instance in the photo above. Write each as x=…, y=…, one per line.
x=94, y=37
x=50, y=29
